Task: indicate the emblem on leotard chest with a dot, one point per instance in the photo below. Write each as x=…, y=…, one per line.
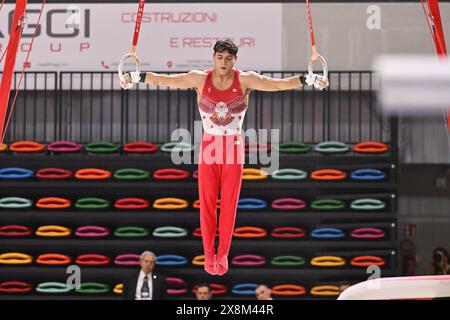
x=221, y=115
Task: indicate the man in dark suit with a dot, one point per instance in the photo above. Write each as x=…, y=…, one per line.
x=145, y=284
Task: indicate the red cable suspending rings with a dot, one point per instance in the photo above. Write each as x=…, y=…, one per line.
x=92, y=260
x=15, y=231
x=53, y=173
x=15, y=287
x=140, y=147
x=131, y=203
x=170, y=174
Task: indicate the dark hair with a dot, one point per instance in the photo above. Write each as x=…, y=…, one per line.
x=203, y=285
x=226, y=45
x=437, y=259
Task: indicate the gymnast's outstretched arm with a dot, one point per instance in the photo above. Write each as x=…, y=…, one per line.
x=191, y=79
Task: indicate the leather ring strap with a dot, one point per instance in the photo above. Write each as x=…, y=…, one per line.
x=15, y=203
x=288, y=290
x=368, y=204
x=53, y=259
x=288, y=233
x=248, y=260
x=64, y=147
x=176, y=286
x=53, y=203
x=368, y=233
x=367, y=175
x=254, y=174
x=170, y=174
x=328, y=204
x=140, y=147
x=171, y=260
x=328, y=175
x=256, y=147
x=15, y=258
x=196, y=204
x=288, y=204
x=325, y=291
x=52, y=287
x=198, y=260
x=293, y=147
x=131, y=232
x=289, y=174
x=131, y=174
x=92, y=288
x=53, y=173
x=249, y=232
x=216, y=289
x=127, y=259
x=15, y=287
x=118, y=288
x=53, y=231
x=92, y=260
x=92, y=174
x=131, y=203
x=198, y=232
x=101, y=147
x=15, y=231
x=170, y=204
x=288, y=261
x=91, y=231
x=15, y=173
x=91, y=203
x=367, y=261
x=332, y=147
x=251, y=203
x=3, y=147
x=244, y=289
x=170, y=232
x=328, y=261
x=327, y=233
x=175, y=146
x=26, y=147
x=371, y=147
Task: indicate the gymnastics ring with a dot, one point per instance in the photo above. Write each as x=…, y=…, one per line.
x=288, y=290
x=170, y=174
x=92, y=288
x=289, y=174
x=101, y=147
x=249, y=232
x=367, y=204
x=91, y=203
x=248, y=260
x=251, y=203
x=325, y=291
x=368, y=175
x=92, y=260
x=293, y=147
x=92, y=174
x=288, y=261
x=15, y=258
x=131, y=204
x=15, y=231
x=288, y=204
x=27, y=147
x=176, y=146
x=3, y=147
x=327, y=233
x=371, y=147
x=171, y=260
x=131, y=174
x=127, y=259
x=196, y=204
x=179, y=284
x=15, y=287
x=322, y=61
x=254, y=174
x=329, y=147
x=367, y=261
x=328, y=204
x=328, y=261
x=53, y=173
x=140, y=147
x=118, y=288
x=131, y=232
x=53, y=259
x=53, y=203
x=368, y=233
x=288, y=233
x=198, y=260
x=52, y=287
x=252, y=146
x=170, y=204
x=244, y=289
x=91, y=232
x=52, y=231
x=64, y=147
x=15, y=203
x=15, y=173
x=328, y=175
x=137, y=62
x=198, y=232
x=170, y=232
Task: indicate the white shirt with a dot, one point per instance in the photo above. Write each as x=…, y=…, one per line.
x=140, y=282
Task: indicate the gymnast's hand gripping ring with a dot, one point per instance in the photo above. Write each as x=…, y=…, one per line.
x=126, y=83
x=316, y=56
